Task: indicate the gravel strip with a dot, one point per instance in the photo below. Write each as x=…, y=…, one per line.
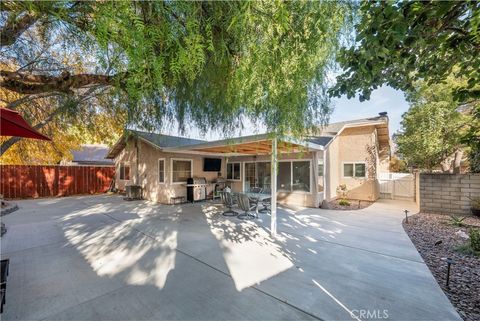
x=464, y=290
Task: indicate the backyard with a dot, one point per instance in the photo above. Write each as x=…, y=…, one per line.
x=100, y=257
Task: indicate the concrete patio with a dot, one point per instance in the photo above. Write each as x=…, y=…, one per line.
x=99, y=257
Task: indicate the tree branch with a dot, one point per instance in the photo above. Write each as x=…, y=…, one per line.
x=37, y=84
x=15, y=27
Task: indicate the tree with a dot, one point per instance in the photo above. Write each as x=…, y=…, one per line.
x=401, y=42
x=433, y=128
x=201, y=63
x=397, y=165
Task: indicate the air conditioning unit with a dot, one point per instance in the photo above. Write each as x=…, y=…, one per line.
x=134, y=192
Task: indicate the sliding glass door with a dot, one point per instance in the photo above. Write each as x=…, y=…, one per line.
x=257, y=174
x=293, y=176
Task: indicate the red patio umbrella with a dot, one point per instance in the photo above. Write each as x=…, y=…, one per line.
x=13, y=124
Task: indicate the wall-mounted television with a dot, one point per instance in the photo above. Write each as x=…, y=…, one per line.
x=212, y=164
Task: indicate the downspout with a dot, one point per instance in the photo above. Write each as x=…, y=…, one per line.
x=136, y=162
x=324, y=175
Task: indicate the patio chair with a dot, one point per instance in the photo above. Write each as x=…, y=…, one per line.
x=228, y=201
x=247, y=207
x=266, y=203
x=255, y=190
x=3, y=281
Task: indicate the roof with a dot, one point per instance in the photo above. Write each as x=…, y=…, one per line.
x=253, y=144
x=158, y=140
x=328, y=133
x=91, y=154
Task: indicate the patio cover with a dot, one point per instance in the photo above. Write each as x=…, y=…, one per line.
x=13, y=124
x=262, y=144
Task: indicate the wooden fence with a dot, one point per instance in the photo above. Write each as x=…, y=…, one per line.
x=23, y=181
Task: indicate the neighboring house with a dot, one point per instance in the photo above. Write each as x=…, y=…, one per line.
x=309, y=171
x=92, y=155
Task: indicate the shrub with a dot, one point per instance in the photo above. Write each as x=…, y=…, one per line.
x=344, y=202
x=457, y=220
x=474, y=234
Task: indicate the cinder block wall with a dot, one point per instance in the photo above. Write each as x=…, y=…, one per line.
x=448, y=193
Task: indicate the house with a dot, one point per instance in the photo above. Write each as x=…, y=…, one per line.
x=309, y=171
x=91, y=155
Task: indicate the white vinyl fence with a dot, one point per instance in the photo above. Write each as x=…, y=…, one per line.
x=397, y=186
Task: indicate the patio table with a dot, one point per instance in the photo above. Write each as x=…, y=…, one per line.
x=259, y=197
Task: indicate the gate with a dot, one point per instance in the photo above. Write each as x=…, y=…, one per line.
x=397, y=186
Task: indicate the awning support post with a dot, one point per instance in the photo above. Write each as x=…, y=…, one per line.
x=274, y=163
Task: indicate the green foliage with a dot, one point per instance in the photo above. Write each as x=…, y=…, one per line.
x=344, y=202
x=457, y=220
x=433, y=128
x=401, y=42
x=210, y=64
x=474, y=234
x=397, y=165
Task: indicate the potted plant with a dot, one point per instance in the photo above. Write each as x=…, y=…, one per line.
x=475, y=206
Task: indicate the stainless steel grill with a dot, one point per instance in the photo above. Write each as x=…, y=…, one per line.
x=196, y=189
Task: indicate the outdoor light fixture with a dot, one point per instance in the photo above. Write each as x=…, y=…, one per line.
x=406, y=216
x=449, y=263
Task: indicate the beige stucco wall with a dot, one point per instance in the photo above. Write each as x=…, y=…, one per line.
x=357, y=144
x=148, y=171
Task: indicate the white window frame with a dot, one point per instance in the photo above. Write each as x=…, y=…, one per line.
x=320, y=162
x=233, y=167
x=120, y=171
x=291, y=176
x=354, y=164
x=171, y=169
x=164, y=171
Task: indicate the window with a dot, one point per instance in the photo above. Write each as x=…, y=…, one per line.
x=124, y=171
x=294, y=176
x=161, y=170
x=301, y=176
x=284, y=178
x=233, y=171
x=320, y=167
x=181, y=170
x=354, y=170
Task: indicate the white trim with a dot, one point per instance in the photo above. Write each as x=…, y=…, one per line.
x=171, y=169
x=354, y=163
x=164, y=171
x=233, y=172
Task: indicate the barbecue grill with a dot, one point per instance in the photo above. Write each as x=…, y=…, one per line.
x=196, y=189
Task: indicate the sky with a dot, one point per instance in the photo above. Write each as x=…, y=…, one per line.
x=383, y=99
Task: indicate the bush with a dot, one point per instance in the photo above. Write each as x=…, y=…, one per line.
x=344, y=202
x=457, y=220
x=474, y=234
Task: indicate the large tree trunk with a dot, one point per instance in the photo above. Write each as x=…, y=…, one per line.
x=37, y=84
x=446, y=165
x=457, y=161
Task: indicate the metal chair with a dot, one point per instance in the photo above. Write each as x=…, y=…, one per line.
x=247, y=207
x=266, y=203
x=255, y=190
x=228, y=201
